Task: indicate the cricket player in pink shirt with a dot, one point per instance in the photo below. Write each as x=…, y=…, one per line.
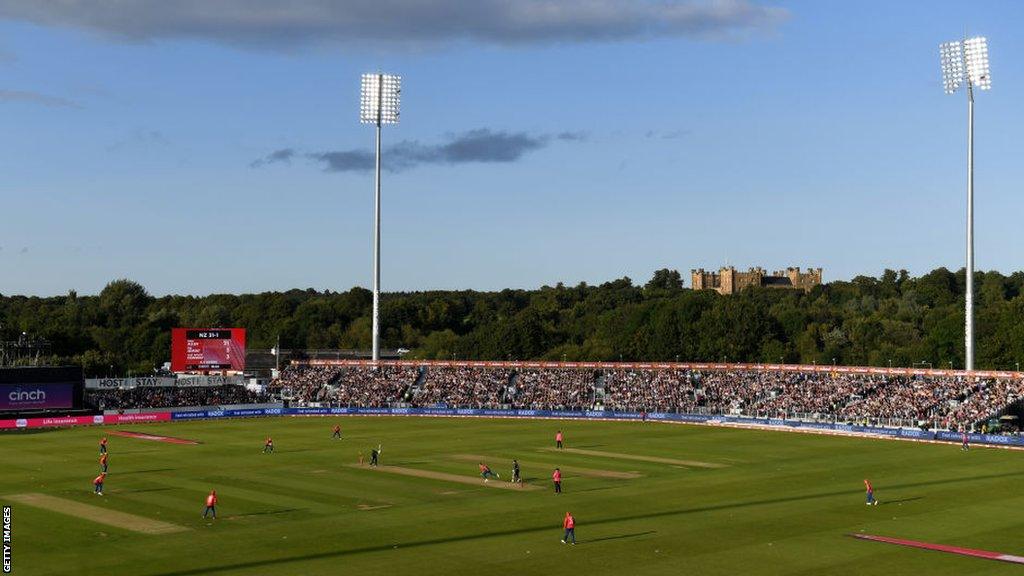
x=569, y=523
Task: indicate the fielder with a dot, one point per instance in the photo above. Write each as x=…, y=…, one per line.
x=211, y=504
x=870, y=493
x=569, y=524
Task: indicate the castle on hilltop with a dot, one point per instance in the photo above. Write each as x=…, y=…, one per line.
x=728, y=281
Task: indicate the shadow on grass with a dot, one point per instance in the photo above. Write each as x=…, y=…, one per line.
x=617, y=537
x=597, y=489
x=901, y=500
x=855, y=492
x=141, y=490
x=267, y=512
x=142, y=471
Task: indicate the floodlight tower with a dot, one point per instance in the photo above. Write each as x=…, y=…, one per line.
x=378, y=105
x=966, y=63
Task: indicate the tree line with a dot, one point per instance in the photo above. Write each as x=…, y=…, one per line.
x=894, y=319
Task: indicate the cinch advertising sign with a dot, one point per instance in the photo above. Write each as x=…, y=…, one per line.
x=14, y=397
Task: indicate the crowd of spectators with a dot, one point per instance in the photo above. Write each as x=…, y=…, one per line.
x=374, y=386
x=953, y=402
x=649, y=390
x=306, y=383
x=171, y=397
x=554, y=389
x=912, y=398
x=984, y=399
x=811, y=394
x=463, y=387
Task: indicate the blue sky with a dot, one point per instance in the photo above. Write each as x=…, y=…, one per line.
x=598, y=139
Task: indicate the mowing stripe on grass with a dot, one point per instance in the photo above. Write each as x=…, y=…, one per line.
x=572, y=469
x=96, y=514
x=656, y=459
x=944, y=548
x=420, y=473
x=261, y=493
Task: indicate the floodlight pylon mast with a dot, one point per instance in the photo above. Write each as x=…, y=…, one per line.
x=969, y=295
x=376, y=227
x=378, y=105
x=966, y=63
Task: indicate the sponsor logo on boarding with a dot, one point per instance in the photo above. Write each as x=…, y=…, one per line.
x=97, y=419
x=186, y=415
x=993, y=439
x=278, y=411
x=465, y=412
x=400, y=411
x=690, y=417
x=21, y=423
x=215, y=414
x=69, y=420
x=27, y=396
x=594, y=414
x=138, y=417
x=202, y=381
x=526, y=412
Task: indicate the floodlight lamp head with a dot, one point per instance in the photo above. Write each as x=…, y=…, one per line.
x=976, y=60
x=965, y=62
x=379, y=98
x=951, y=56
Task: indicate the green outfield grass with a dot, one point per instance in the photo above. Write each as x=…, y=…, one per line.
x=780, y=503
